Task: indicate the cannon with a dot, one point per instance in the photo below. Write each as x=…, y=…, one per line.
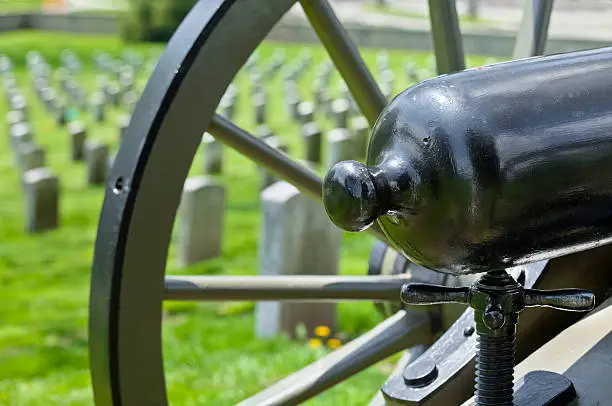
x=491, y=182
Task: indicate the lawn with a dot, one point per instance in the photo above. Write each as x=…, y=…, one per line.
x=19, y=5
x=211, y=355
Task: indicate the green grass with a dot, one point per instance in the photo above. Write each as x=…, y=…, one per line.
x=19, y=5
x=210, y=353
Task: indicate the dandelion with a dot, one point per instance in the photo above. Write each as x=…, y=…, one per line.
x=314, y=343
x=334, y=343
x=322, y=331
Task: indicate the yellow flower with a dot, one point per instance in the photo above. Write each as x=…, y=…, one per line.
x=315, y=343
x=334, y=343
x=322, y=331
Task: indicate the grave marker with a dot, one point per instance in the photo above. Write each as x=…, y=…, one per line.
x=340, y=109
x=42, y=200
x=201, y=217
x=313, y=139
x=212, y=151
x=340, y=147
x=78, y=135
x=297, y=238
x=96, y=155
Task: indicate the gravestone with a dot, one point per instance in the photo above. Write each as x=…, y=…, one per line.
x=98, y=107
x=31, y=156
x=227, y=106
x=259, y=101
x=42, y=200
x=21, y=133
x=313, y=139
x=60, y=112
x=292, y=101
x=268, y=178
x=263, y=131
x=130, y=99
x=305, y=112
x=412, y=72
x=19, y=103
x=201, y=216
x=78, y=135
x=387, y=79
x=340, y=109
x=212, y=151
x=297, y=238
x=340, y=147
x=112, y=94
x=382, y=60
x=14, y=117
x=96, y=155
x=360, y=128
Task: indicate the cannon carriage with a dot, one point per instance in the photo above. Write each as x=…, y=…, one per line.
x=492, y=183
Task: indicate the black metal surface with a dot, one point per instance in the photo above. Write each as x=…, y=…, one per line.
x=490, y=167
x=144, y=191
x=497, y=300
x=542, y=388
x=454, y=352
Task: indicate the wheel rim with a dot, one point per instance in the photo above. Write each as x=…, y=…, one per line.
x=151, y=166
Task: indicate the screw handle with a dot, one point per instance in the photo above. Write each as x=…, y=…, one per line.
x=573, y=300
x=426, y=294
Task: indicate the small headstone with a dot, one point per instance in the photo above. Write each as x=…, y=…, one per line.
x=263, y=131
x=130, y=99
x=42, y=200
x=412, y=72
x=201, y=215
x=340, y=147
x=21, y=134
x=78, y=135
x=306, y=112
x=31, y=156
x=96, y=155
x=340, y=110
x=313, y=139
x=259, y=101
x=292, y=100
x=297, y=238
x=19, y=103
x=212, y=151
x=268, y=178
x=382, y=60
x=14, y=117
x=227, y=106
x=97, y=110
x=60, y=113
x=360, y=128
x=112, y=94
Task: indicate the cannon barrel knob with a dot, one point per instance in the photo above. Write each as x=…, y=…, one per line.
x=353, y=195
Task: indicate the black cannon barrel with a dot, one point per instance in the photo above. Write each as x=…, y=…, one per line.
x=490, y=167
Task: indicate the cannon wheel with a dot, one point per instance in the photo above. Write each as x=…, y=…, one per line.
x=143, y=193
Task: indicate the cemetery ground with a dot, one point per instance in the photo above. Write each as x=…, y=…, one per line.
x=211, y=354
